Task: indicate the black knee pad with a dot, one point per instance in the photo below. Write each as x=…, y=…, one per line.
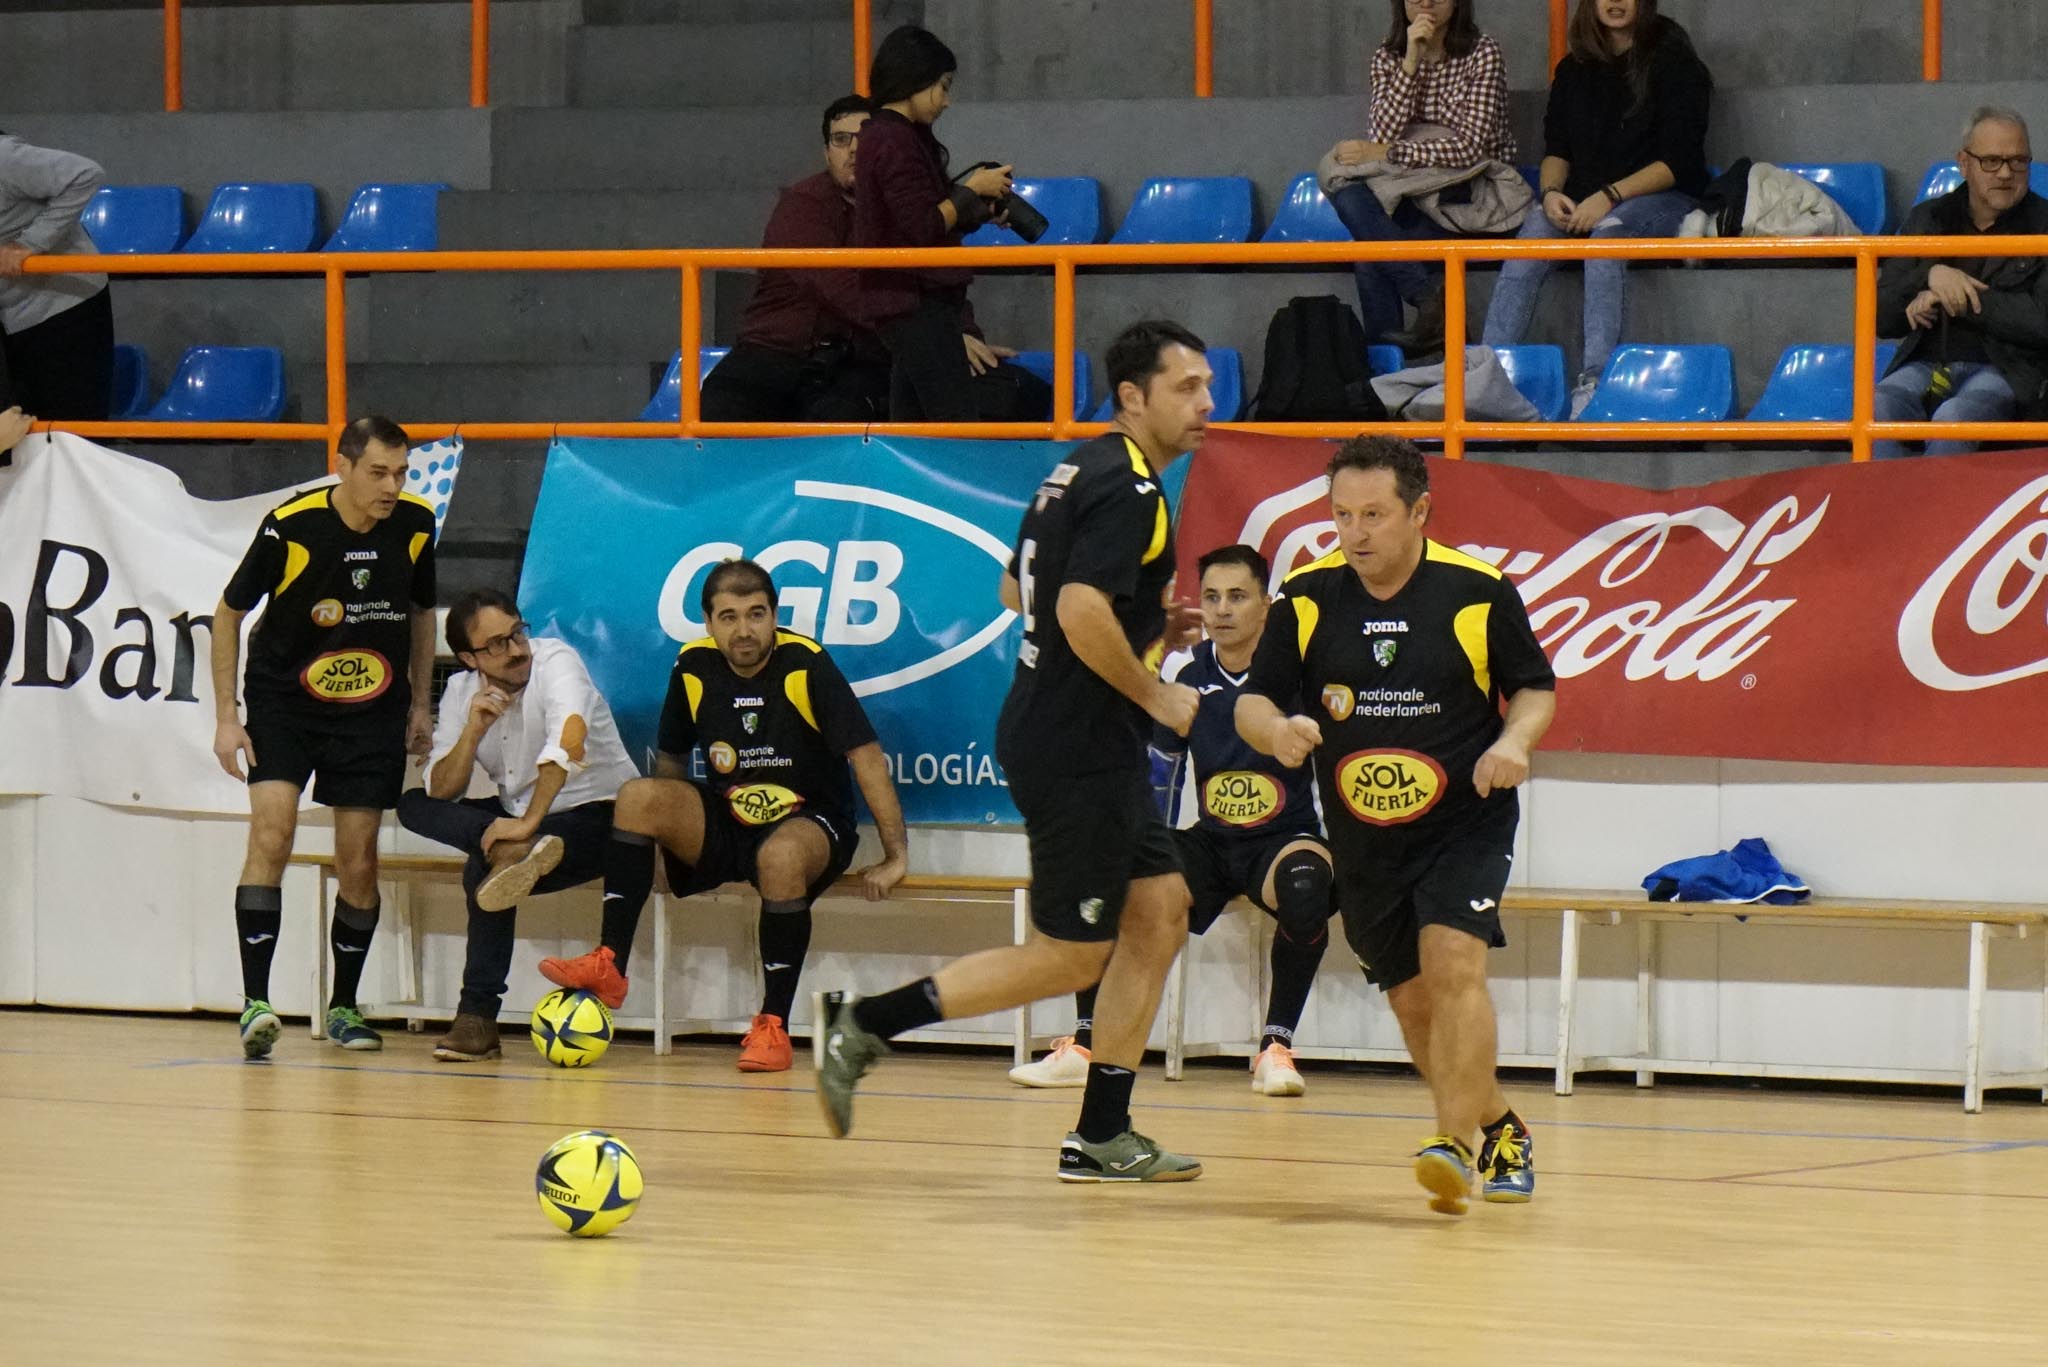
x=1301, y=890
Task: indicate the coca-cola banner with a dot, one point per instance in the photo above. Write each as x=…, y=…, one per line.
x=1890, y=613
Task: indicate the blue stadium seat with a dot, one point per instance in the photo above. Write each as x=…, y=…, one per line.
x=1945, y=176
x=130, y=398
x=1306, y=216
x=1538, y=373
x=1189, y=209
x=1858, y=186
x=133, y=220
x=1665, y=384
x=1384, y=358
x=258, y=218
x=1814, y=384
x=1072, y=206
x=667, y=403
x=1226, y=390
x=390, y=218
x=224, y=384
x=1039, y=363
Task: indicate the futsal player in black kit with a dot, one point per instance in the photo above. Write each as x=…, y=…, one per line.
x=1404, y=650
x=337, y=691
x=1090, y=575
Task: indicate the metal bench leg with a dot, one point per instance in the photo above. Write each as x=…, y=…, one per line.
x=1567, y=992
x=1973, y=1048
x=1020, y=1019
x=662, y=1042
x=318, y=1010
x=2044, y=1015
x=1176, y=1016
x=411, y=933
x=1646, y=985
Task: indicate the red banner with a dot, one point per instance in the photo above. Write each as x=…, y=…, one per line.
x=1892, y=613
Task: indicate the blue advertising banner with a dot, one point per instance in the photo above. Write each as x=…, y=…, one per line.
x=886, y=550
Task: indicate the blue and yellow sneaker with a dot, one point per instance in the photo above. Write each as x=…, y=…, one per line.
x=345, y=1027
x=260, y=1029
x=1507, y=1164
x=1444, y=1168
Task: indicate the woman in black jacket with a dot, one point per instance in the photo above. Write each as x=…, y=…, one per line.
x=1624, y=155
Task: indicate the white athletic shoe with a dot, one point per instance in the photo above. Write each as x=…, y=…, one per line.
x=1065, y=1066
x=1274, y=1073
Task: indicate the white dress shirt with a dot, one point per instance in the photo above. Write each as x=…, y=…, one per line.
x=558, y=718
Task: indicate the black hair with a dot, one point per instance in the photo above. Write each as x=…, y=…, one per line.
x=1396, y=454
x=358, y=435
x=1460, y=35
x=1240, y=554
x=462, y=615
x=1134, y=355
x=841, y=107
x=741, y=577
x=910, y=59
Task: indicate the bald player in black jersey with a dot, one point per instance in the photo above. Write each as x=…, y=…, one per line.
x=1403, y=650
x=1090, y=576
x=337, y=691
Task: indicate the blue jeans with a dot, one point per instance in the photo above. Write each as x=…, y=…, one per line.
x=1980, y=395
x=1383, y=286
x=1514, y=298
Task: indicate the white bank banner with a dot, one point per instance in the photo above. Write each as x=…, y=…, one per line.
x=109, y=573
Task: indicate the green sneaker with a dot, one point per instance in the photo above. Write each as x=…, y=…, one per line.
x=345, y=1027
x=848, y=1053
x=260, y=1029
x=1130, y=1157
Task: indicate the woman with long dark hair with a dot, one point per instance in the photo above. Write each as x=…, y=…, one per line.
x=1434, y=68
x=1624, y=155
x=903, y=197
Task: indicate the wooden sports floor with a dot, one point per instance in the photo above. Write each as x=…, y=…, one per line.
x=170, y=1204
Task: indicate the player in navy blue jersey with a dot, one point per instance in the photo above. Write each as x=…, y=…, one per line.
x=1256, y=833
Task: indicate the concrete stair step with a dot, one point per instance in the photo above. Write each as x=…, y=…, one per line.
x=649, y=66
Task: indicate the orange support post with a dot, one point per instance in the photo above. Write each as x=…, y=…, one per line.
x=863, y=43
x=1560, y=29
x=1454, y=358
x=1930, y=40
x=1062, y=348
x=174, y=56
x=337, y=362
x=693, y=339
x=1863, y=400
x=1205, y=48
x=479, y=53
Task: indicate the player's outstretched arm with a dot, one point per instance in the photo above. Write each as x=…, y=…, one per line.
x=1506, y=762
x=1088, y=620
x=230, y=738
x=1263, y=726
x=878, y=790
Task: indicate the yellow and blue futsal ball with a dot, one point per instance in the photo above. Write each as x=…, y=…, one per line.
x=571, y=1028
x=588, y=1183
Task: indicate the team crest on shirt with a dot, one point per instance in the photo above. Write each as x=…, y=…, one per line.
x=360, y=577
x=1339, y=701
x=1383, y=651
x=1091, y=910
x=750, y=720
x=724, y=759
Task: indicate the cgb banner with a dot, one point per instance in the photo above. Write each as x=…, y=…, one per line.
x=109, y=572
x=1890, y=613
x=886, y=550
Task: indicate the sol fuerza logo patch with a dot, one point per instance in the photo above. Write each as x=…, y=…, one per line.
x=347, y=676
x=1389, y=787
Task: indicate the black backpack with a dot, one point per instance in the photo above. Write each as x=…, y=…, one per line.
x=1315, y=366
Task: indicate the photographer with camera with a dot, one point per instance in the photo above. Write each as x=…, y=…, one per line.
x=941, y=369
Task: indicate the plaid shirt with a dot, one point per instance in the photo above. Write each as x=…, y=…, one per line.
x=1468, y=94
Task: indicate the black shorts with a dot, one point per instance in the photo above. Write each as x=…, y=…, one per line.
x=1091, y=837
x=731, y=846
x=1222, y=867
x=357, y=766
x=1456, y=881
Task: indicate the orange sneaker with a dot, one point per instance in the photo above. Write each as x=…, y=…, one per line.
x=766, y=1047
x=596, y=973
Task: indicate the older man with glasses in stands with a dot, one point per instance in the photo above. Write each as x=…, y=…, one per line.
x=1975, y=327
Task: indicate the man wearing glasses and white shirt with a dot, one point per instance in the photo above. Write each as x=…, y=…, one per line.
x=526, y=713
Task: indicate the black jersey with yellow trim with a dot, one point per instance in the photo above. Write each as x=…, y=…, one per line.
x=774, y=743
x=1407, y=691
x=1098, y=519
x=335, y=638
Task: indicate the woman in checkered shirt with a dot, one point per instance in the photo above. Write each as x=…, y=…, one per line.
x=1435, y=67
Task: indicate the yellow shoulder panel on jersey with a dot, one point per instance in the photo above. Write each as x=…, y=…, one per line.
x=1445, y=555
x=1306, y=615
x=693, y=691
x=790, y=638
x=797, y=684
x=1143, y=470
x=296, y=558
x=1328, y=562
x=701, y=643
x=415, y=500
x=303, y=503
x=419, y=543
x=1470, y=628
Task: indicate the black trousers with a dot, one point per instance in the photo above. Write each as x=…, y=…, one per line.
x=755, y=384
x=62, y=369
x=586, y=833
x=929, y=380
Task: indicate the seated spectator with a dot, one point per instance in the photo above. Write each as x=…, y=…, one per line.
x=801, y=354
x=1975, y=327
x=1435, y=68
x=59, y=328
x=941, y=368
x=1624, y=155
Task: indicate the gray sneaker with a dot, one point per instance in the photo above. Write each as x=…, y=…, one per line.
x=1130, y=1157
x=505, y=888
x=849, y=1051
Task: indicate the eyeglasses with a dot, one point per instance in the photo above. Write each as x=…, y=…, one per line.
x=842, y=141
x=499, y=645
x=1999, y=165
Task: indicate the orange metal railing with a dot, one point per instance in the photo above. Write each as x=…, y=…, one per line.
x=1454, y=430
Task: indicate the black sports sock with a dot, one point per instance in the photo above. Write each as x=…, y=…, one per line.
x=910, y=1007
x=1294, y=973
x=628, y=879
x=785, y=939
x=259, y=914
x=1493, y=1130
x=1084, y=1016
x=349, y=934
x=1106, y=1105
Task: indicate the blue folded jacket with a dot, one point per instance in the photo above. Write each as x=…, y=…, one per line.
x=1747, y=873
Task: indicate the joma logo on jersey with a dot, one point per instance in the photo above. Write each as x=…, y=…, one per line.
x=1389, y=787
x=762, y=804
x=1240, y=798
x=347, y=676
